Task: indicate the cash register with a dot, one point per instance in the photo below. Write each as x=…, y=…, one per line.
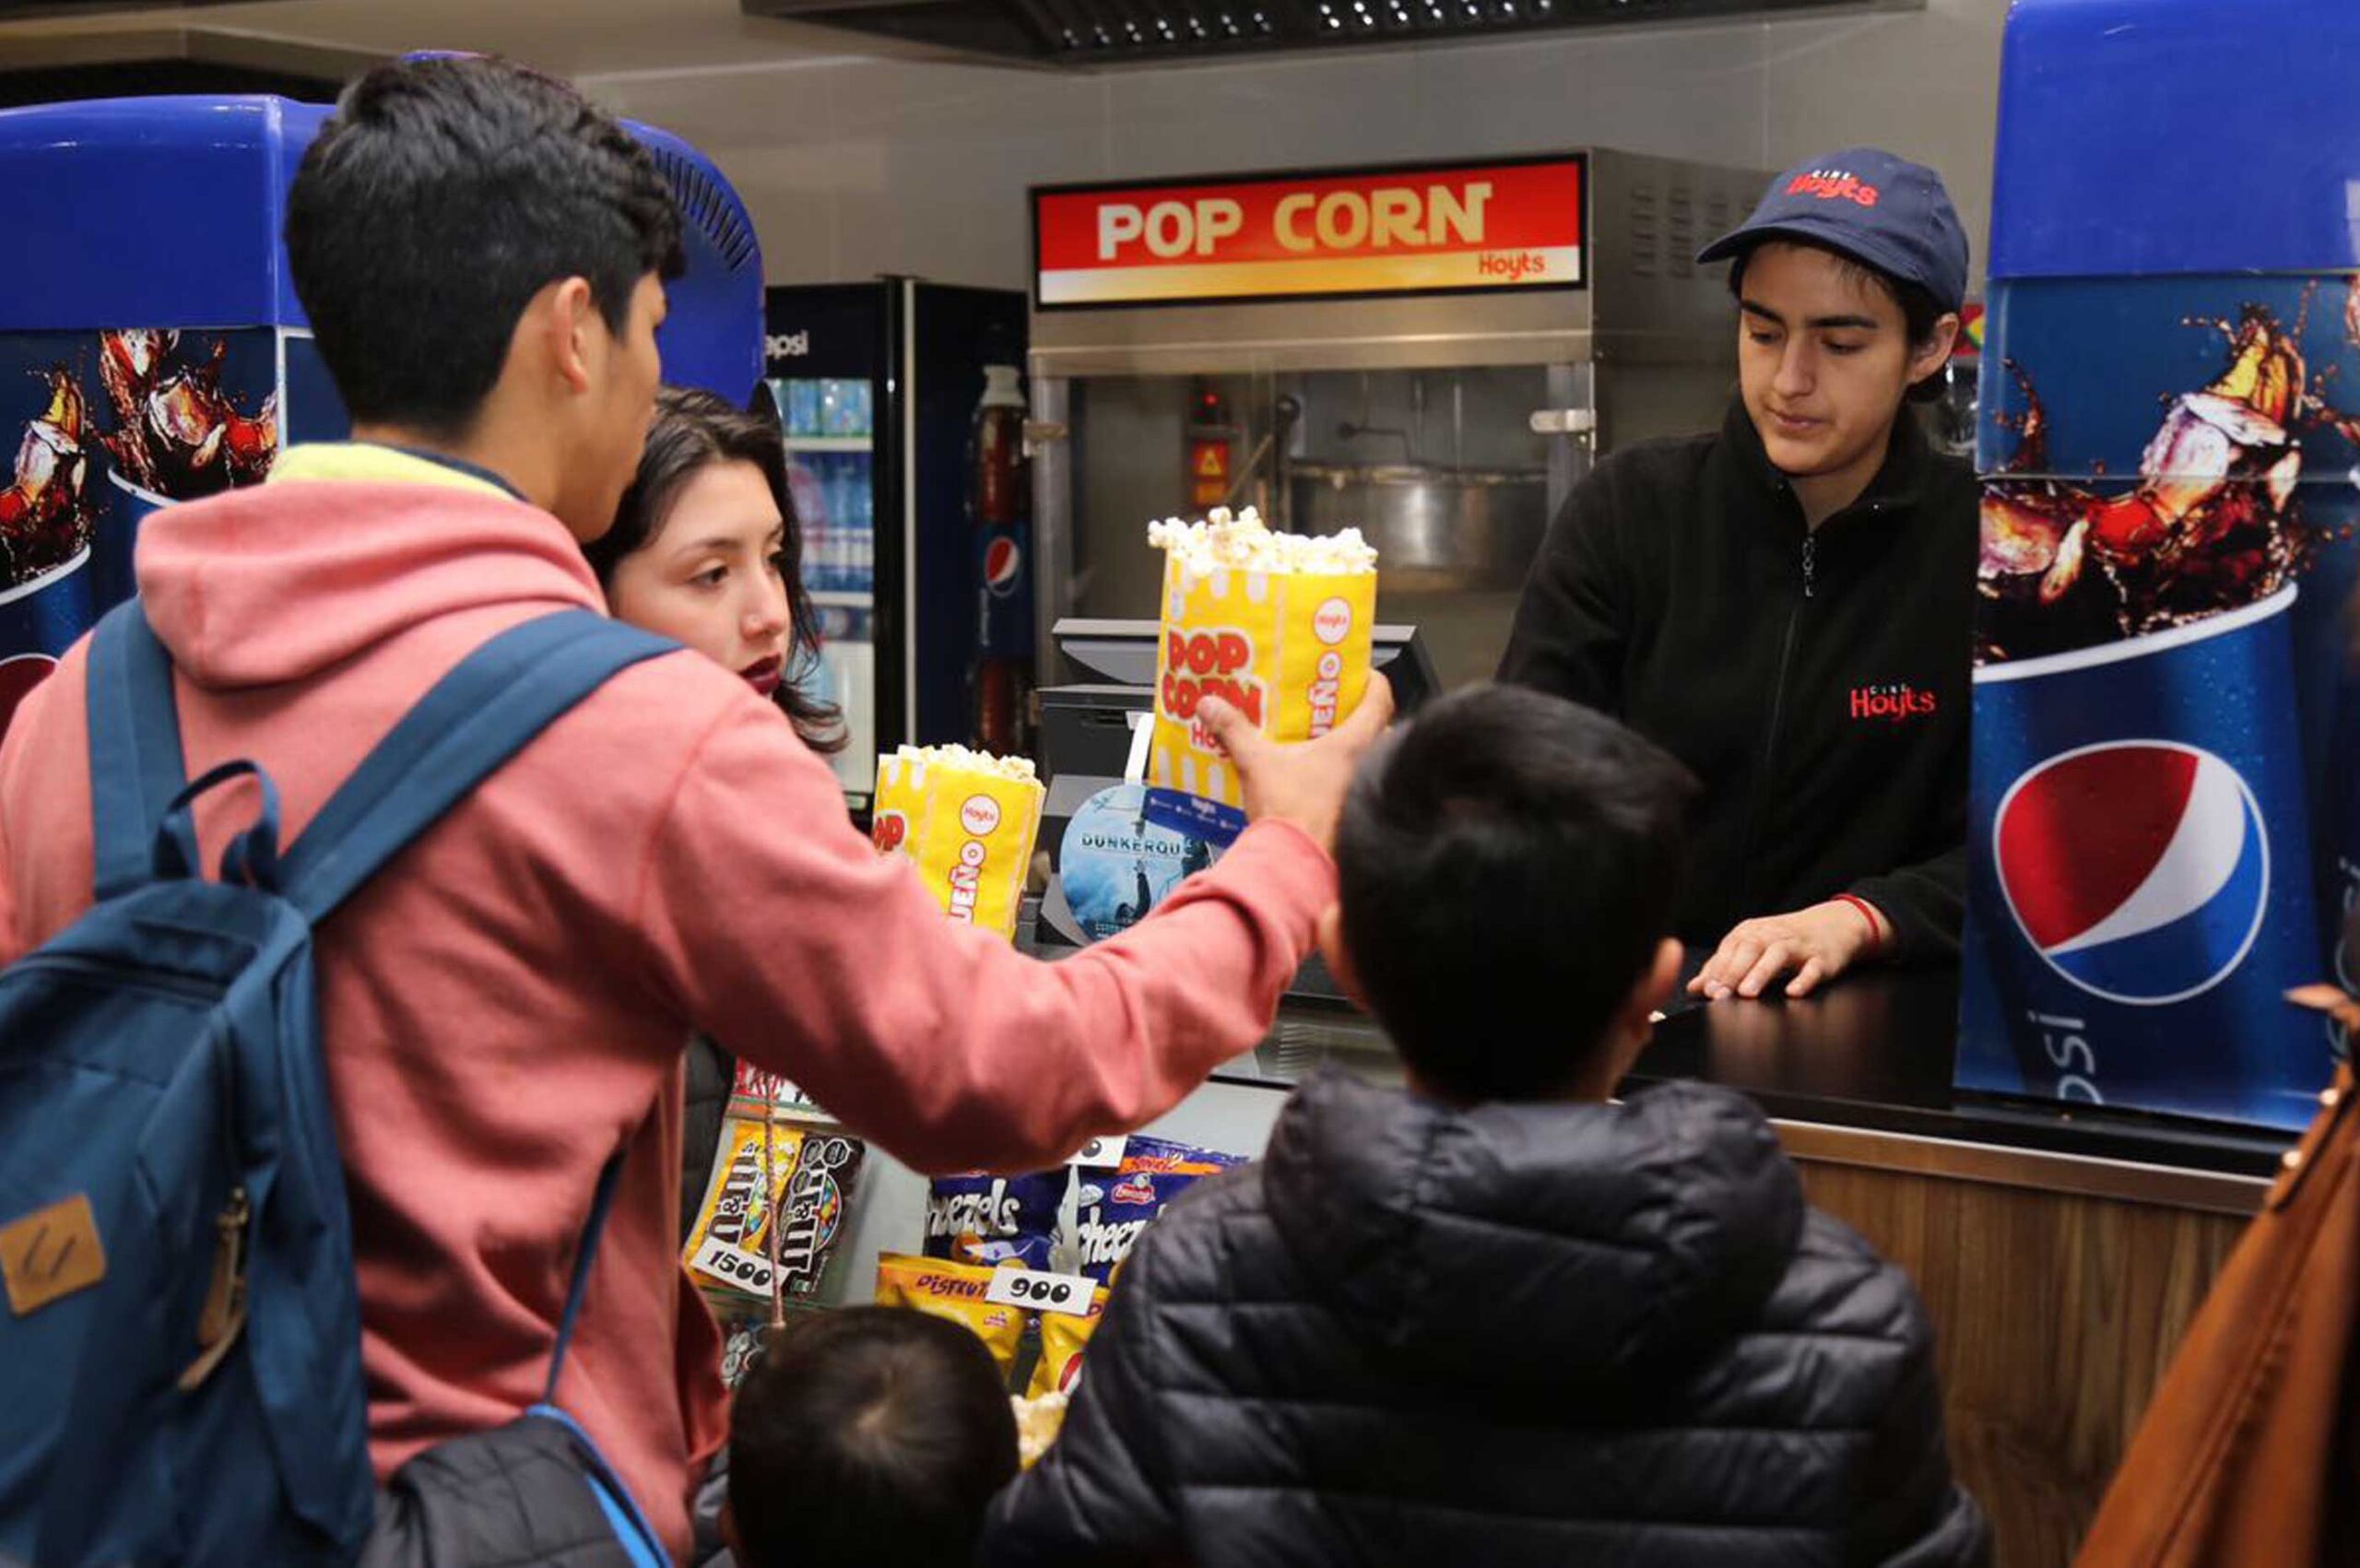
x=1102, y=853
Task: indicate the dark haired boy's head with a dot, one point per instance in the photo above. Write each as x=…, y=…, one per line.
x=480, y=251
x=873, y=1437
x=1507, y=864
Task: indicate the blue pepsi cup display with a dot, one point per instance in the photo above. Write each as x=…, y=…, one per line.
x=2163, y=814
x=2142, y=889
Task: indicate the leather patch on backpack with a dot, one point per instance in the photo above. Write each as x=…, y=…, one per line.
x=50, y=1253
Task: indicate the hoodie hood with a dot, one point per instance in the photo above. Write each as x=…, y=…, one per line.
x=369, y=541
x=1536, y=1248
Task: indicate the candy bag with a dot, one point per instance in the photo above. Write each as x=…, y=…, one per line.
x=812, y=1174
x=1114, y=1206
x=953, y=1290
x=1064, y=1337
x=995, y=1219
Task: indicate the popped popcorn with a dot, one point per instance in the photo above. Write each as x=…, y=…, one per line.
x=961, y=756
x=1243, y=543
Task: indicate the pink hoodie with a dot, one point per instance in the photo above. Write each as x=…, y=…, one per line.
x=506, y=1004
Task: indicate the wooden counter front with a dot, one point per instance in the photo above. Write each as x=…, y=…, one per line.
x=2059, y=1276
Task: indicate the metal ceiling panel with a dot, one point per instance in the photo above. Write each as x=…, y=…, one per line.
x=1093, y=32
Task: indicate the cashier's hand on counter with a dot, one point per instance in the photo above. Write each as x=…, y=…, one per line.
x=1813, y=945
x=1302, y=783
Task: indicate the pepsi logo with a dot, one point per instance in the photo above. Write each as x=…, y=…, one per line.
x=979, y=815
x=1003, y=564
x=1332, y=621
x=18, y=676
x=2138, y=869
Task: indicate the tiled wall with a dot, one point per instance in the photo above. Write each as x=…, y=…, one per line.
x=854, y=167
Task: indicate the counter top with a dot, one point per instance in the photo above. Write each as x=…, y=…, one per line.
x=1861, y=1073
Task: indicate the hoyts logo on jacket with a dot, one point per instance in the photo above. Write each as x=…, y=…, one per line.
x=1834, y=185
x=1893, y=701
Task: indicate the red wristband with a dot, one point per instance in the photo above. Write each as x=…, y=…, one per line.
x=1867, y=912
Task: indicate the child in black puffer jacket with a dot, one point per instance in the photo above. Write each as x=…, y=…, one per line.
x=1497, y=1317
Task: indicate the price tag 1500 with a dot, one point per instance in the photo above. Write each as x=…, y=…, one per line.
x=750, y=1272
x=1036, y=1290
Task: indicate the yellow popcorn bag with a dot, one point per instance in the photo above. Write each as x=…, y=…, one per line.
x=968, y=820
x=1276, y=625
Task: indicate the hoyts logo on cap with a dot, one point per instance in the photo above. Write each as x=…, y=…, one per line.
x=1894, y=700
x=1197, y=665
x=1834, y=185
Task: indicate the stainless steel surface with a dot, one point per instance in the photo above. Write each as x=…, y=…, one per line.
x=1052, y=513
x=1435, y=529
x=2075, y=1174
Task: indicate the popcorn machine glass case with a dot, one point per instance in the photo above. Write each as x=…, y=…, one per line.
x=1433, y=355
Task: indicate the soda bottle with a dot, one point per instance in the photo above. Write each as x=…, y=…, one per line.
x=998, y=508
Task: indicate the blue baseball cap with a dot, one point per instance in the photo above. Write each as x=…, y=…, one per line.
x=1882, y=211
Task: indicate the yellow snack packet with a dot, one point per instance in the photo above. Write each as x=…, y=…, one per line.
x=969, y=820
x=1064, y=1337
x=1276, y=625
x=802, y=1178
x=953, y=1290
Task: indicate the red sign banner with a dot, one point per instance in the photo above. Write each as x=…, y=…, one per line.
x=1435, y=229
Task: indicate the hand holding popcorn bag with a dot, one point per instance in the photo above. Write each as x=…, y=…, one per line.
x=1276, y=625
x=969, y=819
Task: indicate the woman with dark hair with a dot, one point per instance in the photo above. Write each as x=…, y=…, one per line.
x=706, y=549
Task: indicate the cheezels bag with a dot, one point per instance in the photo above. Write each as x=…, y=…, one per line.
x=968, y=820
x=1277, y=626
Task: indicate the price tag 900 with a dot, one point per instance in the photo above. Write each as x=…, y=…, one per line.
x=1101, y=1153
x=1037, y=1290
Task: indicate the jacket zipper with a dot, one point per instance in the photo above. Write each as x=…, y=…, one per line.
x=1778, y=711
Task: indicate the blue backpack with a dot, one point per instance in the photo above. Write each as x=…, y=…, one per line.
x=179, y=1353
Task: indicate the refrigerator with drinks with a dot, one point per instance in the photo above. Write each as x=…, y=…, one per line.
x=903, y=405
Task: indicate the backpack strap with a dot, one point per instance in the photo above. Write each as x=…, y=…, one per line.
x=137, y=770
x=591, y=1230
x=476, y=718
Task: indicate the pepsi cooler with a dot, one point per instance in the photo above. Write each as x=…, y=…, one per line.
x=152, y=349
x=2161, y=819
x=878, y=384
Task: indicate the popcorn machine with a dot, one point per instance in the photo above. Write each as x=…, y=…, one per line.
x=1434, y=355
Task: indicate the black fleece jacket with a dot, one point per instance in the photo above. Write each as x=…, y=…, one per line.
x=1816, y=681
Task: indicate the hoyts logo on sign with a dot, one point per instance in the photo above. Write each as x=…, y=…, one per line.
x=1894, y=700
x=1351, y=231
x=1197, y=665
